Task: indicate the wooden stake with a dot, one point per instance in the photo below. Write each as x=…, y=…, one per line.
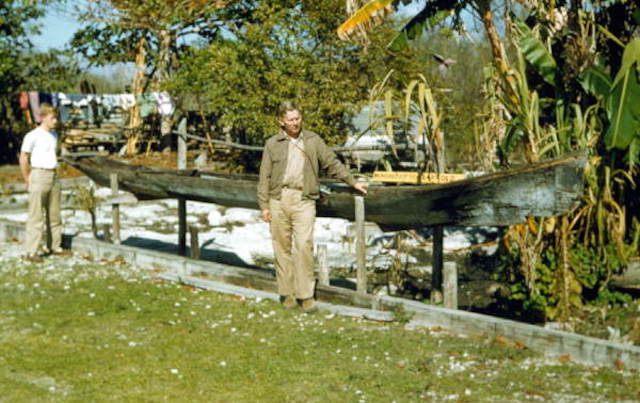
x=106, y=233
x=323, y=264
x=195, y=245
x=360, y=246
x=115, y=209
x=182, y=227
x=450, y=285
x=182, y=144
x=436, y=272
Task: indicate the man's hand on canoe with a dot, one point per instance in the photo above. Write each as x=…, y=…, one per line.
x=361, y=187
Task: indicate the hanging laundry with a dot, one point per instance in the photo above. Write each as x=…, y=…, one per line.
x=147, y=104
x=165, y=105
x=23, y=101
x=34, y=104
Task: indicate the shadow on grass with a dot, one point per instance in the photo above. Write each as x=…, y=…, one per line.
x=212, y=255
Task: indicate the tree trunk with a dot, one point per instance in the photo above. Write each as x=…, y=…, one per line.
x=502, y=65
x=167, y=40
x=135, y=121
x=499, y=57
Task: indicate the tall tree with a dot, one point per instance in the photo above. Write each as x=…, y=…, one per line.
x=148, y=33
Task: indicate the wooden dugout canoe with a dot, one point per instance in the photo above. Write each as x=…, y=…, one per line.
x=503, y=198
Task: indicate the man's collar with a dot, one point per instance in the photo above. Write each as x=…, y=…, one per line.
x=284, y=136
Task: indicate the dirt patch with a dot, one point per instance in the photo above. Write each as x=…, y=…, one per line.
x=12, y=174
x=166, y=160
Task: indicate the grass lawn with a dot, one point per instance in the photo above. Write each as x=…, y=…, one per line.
x=72, y=329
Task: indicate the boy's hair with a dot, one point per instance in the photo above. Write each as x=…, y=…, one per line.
x=286, y=106
x=47, y=110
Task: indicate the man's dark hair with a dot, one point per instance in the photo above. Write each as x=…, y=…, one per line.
x=287, y=106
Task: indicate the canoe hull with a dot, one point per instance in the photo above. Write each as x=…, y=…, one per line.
x=504, y=198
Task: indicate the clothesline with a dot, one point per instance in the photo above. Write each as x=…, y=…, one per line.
x=94, y=106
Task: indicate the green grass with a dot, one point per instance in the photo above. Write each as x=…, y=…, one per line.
x=77, y=330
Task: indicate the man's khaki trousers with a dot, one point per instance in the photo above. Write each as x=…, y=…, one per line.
x=292, y=234
x=44, y=194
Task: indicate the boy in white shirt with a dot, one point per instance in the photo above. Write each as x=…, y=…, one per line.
x=38, y=162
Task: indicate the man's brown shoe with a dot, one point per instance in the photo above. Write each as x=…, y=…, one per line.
x=33, y=258
x=61, y=252
x=309, y=305
x=289, y=302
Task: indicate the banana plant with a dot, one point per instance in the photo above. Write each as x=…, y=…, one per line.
x=611, y=124
x=621, y=97
x=623, y=100
x=535, y=52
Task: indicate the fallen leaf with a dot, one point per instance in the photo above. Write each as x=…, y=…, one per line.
x=502, y=341
x=520, y=345
x=619, y=364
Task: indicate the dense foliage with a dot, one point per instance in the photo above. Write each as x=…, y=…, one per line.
x=577, y=91
x=288, y=50
x=570, y=83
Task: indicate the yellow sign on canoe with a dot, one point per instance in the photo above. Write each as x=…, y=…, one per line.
x=412, y=177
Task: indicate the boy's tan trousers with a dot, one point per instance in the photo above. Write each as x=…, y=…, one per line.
x=44, y=194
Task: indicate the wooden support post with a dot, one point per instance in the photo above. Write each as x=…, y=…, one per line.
x=115, y=209
x=436, y=272
x=182, y=227
x=182, y=144
x=195, y=245
x=360, y=246
x=323, y=264
x=450, y=285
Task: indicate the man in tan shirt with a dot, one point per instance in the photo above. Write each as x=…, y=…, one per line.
x=287, y=191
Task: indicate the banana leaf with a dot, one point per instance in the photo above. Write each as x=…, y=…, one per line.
x=513, y=136
x=536, y=53
x=622, y=104
x=630, y=57
x=596, y=81
x=425, y=19
x=367, y=15
x=633, y=156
